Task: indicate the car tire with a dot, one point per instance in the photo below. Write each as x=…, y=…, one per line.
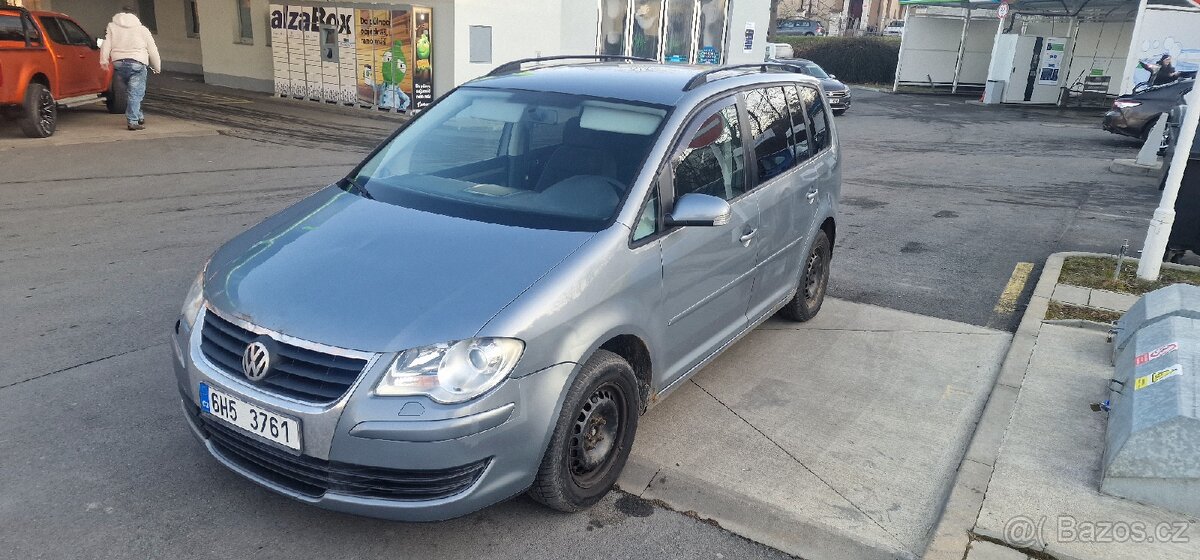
x=593, y=435
x=39, y=115
x=839, y=112
x=809, y=34
x=814, y=280
x=116, y=99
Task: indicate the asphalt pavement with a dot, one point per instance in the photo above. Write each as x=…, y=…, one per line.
x=97, y=246
x=942, y=199
x=98, y=242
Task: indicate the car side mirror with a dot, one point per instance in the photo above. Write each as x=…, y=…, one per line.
x=99, y=42
x=833, y=76
x=695, y=209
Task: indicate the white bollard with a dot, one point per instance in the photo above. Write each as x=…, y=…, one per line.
x=1148, y=155
x=1164, y=216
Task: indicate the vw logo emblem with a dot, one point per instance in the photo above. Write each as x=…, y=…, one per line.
x=256, y=361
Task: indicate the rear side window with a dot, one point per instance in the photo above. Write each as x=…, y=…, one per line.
x=816, y=117
x=799, y=133
x=75, y=34
x=770, y=129
x=712, y=161
x=54, y=31
x=11, y=28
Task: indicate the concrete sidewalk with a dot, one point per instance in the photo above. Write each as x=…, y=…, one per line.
x=835, y=438
x=91, y=124
x=1029, y=484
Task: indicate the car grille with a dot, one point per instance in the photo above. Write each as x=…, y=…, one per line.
x=299, y=373
x=836, y=93
x=313, y=477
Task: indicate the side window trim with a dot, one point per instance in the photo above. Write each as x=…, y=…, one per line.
x=666, y=170
x=749, y=154
x=695, y=120
x=812, y=130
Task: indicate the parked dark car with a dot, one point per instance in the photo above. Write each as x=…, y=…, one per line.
x=801, y=27
x=1134, y=114
x=837, y=93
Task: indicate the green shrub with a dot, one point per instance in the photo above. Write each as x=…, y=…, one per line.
x=860, y=60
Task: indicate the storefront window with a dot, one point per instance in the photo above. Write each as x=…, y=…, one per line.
x=712, y=31
x=614, y=15
x=681, y=34
x=647, y=27
x=694, y=30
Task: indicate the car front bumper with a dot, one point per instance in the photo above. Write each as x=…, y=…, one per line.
x=839, y=103
x=367, y=455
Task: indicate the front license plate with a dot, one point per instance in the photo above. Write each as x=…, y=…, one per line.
x=266, y=424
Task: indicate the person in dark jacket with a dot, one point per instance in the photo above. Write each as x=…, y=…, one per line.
x=1163, y=72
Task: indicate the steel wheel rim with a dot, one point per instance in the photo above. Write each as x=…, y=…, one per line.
x=596, y=435
x=45, y=111
x=814, y=277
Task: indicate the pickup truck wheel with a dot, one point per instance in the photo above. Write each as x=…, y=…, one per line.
x=116, y=99
x=39, y=114
x=592, y=437
x=814, y=279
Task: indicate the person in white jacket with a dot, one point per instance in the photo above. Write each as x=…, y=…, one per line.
x=131, y=49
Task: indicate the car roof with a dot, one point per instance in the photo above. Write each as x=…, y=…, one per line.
x=643, y=82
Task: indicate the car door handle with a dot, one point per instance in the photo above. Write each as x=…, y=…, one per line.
x=811, y=195
x=748, y=237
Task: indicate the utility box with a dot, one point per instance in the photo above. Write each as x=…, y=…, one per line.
x=1177, y=299
x=1152, y=451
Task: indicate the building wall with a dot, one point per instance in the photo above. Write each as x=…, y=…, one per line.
x=228, y=61
x=178, y=51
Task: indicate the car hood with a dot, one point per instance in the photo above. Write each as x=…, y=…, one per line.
x=831, y=84
x=346, y=271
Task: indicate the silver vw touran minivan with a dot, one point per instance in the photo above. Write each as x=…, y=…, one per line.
x=487, y=303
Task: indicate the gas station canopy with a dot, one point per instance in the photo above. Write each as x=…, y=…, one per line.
x=1044, y=51
x=1092, y=10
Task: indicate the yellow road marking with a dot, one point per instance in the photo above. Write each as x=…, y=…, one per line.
x=1016, y=283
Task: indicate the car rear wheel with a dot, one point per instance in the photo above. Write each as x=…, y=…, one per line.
x=116, y=99
x=593, y=436
x=814, y=279
x=39, y=114
x=839, y=112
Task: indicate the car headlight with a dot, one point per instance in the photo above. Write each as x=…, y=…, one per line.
x=193, y=301
x=451, y=372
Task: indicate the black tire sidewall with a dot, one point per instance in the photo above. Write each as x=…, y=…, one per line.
x=799, y=308
x=556, y=487
x=29, y=119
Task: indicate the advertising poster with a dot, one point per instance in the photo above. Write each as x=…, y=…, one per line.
x=372, y=27
x=384, y=49
x=647, y=26
x=1052, y=58
x=422, y=79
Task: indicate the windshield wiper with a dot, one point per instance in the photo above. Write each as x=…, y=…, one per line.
x=353, y=181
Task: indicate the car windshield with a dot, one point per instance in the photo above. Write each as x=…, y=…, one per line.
x=531, y=159
x=814, y=70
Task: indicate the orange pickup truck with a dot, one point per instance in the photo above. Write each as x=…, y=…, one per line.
x=48, y=61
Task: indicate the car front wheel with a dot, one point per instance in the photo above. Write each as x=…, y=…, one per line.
x=814, y=279
x=593, y=436
x=39, y=114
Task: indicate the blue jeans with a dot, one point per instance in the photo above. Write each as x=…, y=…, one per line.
x=133, y=74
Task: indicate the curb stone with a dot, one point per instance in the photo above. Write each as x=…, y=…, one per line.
x=952, y=534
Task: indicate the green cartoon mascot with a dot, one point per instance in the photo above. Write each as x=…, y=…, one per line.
x=393, y=71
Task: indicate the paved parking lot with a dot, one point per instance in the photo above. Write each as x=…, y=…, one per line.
x=100, y=241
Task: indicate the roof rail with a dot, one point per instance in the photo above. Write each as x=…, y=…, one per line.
x=515, y=66
x=702, y=78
